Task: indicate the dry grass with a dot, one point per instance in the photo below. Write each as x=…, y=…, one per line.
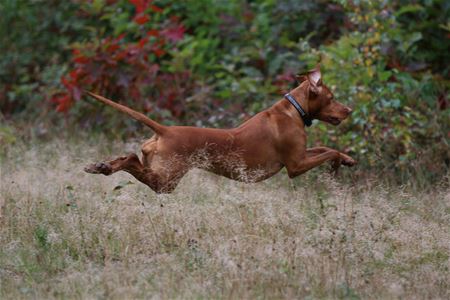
x=67, y=234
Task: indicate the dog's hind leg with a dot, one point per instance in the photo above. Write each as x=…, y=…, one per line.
x=160, y=183
x=112, y=166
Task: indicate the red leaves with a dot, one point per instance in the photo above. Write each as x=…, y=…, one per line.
x=120, y=37
x=81, y=59
x=112, y=48
x=63, y=102
x=141, y=19
x=142, y=42
x=174, y=33
x=156, y=9
x=119, y=56
x=159, y=52
x=140, y=5
x=71, y=86
x=123, y=66
x=74, y=74
x=153, y=32
x=66, y=83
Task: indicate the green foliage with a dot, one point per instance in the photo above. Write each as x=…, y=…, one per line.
x=33, y=36
x=246, y=53
x=399, y=115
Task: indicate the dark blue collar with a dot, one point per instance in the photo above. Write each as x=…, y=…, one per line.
x=306, y=119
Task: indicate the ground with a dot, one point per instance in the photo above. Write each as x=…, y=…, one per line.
x=68, y=234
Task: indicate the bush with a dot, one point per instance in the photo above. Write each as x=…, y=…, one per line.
x=33, y=36
x=401, y=117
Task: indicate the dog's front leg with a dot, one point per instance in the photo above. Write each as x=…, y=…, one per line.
x=303, y=164
x=344, y=158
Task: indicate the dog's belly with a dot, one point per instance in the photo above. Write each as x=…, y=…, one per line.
x=237, y=169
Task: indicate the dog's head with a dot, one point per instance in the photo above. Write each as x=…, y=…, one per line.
x=321, y=102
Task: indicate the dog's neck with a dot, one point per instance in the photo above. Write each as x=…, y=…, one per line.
x=301, y=95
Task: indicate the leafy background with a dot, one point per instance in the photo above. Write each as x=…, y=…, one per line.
x=217, y=63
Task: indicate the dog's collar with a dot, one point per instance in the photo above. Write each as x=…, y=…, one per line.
x=306, y=119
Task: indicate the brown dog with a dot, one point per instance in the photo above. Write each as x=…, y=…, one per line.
x=256, y=150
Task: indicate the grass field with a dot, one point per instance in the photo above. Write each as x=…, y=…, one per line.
x=67, y=234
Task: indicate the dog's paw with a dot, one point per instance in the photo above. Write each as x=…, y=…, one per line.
x=99, y=168
x=348, y=161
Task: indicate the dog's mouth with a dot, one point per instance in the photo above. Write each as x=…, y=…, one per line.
x=334, y=120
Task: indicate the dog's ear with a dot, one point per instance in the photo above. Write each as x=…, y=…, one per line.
x=315, y=80
x=315, y=77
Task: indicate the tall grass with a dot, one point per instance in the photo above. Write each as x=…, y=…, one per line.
x=67, y=234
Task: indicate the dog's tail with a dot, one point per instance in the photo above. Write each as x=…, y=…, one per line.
x=155, y=126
